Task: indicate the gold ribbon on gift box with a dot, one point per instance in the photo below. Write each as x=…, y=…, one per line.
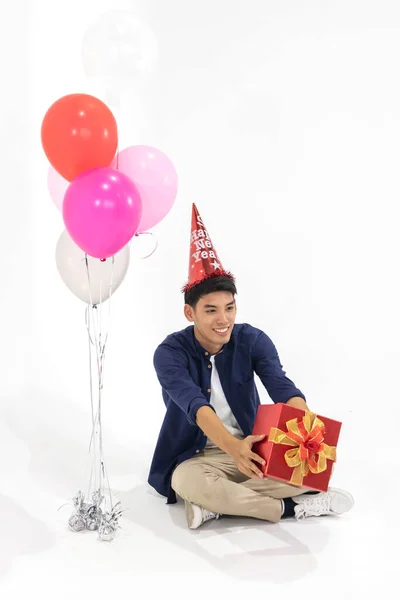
x=310, y=453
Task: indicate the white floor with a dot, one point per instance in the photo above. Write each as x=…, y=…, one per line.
x=154, y=552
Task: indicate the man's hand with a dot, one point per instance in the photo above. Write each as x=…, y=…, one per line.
x=240, y=450
x=242, y=454
x=298, y=402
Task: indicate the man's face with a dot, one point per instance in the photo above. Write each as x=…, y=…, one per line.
x=213, y=318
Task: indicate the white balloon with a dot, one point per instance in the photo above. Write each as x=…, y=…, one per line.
x=120, y=49
x=71, y=265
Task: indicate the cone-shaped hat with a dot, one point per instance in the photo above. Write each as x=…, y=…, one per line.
x=204, y=262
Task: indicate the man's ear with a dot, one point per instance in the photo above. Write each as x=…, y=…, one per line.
x=189, y=313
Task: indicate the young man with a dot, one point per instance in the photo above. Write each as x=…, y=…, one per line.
x=204, y=450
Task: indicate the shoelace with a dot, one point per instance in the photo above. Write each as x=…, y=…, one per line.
x=207, y=515
x=313, y=507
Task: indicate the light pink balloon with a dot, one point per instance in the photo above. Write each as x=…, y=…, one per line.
x=156, y=179
x=102, y=211
x=57, y=186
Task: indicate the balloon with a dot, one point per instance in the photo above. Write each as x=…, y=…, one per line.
x=102, y=211
x=120, y=50
x=57, y=186
x=71, y=265
x=154, y=176
x=79, y=132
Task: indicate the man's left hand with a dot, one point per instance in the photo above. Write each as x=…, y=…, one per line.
x=298, y=402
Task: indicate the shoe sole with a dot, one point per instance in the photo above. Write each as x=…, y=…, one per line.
x=342, y=501
x=190, y=516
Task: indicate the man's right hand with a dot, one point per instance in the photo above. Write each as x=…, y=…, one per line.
x=240, y=450
x=245, y=458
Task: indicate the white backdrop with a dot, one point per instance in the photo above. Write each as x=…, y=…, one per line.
x=283, y=122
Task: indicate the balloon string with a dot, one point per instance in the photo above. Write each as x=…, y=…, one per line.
x=92, y=443
x=155, y=246
x=87, y=317
x=103, y=354
x=98, y=338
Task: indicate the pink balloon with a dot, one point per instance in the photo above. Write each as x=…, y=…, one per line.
x=57, y=186
x=154, y=176
x=102, y=211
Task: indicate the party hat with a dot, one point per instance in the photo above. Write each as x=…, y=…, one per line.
x=204, y=262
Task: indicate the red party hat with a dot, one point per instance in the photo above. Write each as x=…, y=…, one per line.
x=204, y=262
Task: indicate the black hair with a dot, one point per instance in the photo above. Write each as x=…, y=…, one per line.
x=209, y=286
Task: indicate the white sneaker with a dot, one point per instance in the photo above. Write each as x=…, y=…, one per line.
x=332, y=502
x=196, y=515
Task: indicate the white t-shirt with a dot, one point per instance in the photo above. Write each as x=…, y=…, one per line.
x=219, y=402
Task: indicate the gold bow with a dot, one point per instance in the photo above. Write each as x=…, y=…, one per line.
x=310, y=452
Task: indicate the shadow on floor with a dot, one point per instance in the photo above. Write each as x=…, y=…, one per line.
x=20, y=534
x=243, y=549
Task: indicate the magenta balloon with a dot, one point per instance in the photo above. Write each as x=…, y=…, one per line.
x=156, y=179
x=102, y=210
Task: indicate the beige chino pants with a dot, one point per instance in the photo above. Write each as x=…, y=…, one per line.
x=212, y=480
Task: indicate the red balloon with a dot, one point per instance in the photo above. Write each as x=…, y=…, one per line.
x=79, y=132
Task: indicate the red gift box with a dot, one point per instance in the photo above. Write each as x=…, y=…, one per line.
x=299, y=447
